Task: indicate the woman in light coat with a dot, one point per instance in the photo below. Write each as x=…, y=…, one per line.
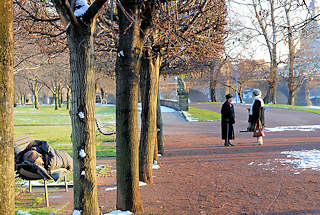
x=256, y=114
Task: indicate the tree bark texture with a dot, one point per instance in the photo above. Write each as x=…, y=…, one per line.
x=274, y=66
x=56, y=102
x=149, y=79
x=60, y=96
x=291, y=80
x=127, y=84
x=135, y=22
x=82, y=112
x=7, y=192
x=213, y=77
x=160, y=141
x=68, y=98
x=291, y=98
x=34, y=86
x=307, y=92
x=36, y=99
x=127, y=80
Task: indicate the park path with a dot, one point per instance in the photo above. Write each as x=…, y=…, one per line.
x=198, y=175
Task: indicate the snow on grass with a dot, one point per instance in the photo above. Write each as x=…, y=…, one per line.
x=293, y=128
x=118, y=212
x=311, y=107
x=23, y=213
x=189, y=117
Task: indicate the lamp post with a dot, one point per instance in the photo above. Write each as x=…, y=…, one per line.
x=236, y=68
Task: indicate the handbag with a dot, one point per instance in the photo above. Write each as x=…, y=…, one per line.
x=258, y=130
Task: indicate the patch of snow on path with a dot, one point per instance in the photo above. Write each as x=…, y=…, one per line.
x=293, y=128
x=307, y=159
x=114, y=188
x=118, y=212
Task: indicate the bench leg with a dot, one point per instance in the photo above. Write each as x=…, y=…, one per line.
x=30, y=187
x=46, y=192
x=66, y=183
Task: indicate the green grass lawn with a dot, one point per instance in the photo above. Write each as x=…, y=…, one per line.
x=54, y=126
x=293, y=107
x=204, y=115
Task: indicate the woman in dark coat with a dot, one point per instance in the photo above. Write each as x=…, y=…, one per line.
x=256, y=114
x=227, y=120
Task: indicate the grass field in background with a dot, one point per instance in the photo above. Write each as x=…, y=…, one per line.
x=293, y=107
x=204, y=115
x=54, y=126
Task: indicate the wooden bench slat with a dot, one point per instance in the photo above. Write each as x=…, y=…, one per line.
x=102, y=130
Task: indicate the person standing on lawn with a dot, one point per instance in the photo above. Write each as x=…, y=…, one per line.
x=256, y=114
x=227, y=121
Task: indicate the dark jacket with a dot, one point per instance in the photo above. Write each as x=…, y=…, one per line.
x=227, y=121
x=257, y=113
x=227, y=113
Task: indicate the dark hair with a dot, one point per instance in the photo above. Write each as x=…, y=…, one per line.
x=228, y=96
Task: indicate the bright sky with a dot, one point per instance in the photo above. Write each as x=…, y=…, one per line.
x=238, y=9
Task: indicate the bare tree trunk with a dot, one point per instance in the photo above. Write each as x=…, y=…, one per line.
x=56, y=100
x=24, y=98
x=127, y=82
x=155, y=152
x=102, y=94
x=291, y=79
x=131, y=38
x=82, y=112
x=213, y=89
x=307, y=92
x=60, y=96
x=36, y=99
x=274, y=72
x=68, y=97
x=240, y=94
x=149, y=77
x=160, y=141
x=7, y=192
x=291, y=98
x=271, y=43
x=214, y=74
x=15, y=98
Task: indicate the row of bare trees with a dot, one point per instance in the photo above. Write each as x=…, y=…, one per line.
x=280, y=25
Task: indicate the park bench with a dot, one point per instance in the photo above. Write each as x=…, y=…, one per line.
x=105, y=129
x=31, y=171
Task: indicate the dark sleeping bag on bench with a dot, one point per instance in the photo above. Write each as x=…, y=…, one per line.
x=40, y=158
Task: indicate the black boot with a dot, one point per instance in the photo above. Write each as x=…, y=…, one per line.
x=230, y=144
x=227, y=144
